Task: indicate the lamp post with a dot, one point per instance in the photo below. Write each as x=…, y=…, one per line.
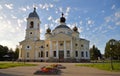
x=112, y=43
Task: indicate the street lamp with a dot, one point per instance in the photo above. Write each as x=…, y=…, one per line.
x=112, y=43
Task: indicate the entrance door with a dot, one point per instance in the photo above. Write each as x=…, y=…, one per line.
x=61, y=56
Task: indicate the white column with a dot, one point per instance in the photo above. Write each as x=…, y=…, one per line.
x=36, y=54
x=57, y=49
x=84, y=54
x=88, y=54
x=20, y=51
x=71, y=52
x=64, y=49
x=51, y=49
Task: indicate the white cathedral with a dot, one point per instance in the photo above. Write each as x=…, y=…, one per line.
x=62, y=44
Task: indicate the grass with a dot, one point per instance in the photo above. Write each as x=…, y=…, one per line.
x=102, y=66
x=5, y=65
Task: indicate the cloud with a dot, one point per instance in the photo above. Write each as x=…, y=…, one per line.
x=27, y=7
x=1, y=7
x=107, y=19
x=57, y=20
x=46, y=6
x=67, y=11
x=1, y=17
x=117, y=14
x=46, y=26
x=51, y=5
x=50, y=18
x=60, y=9
x=113, y=7
x=80, y=22
x=80, y=29
x=23, y=9
x=90, y=22
x=114, y=18
x=19, y=22
x=118, y=23
x=9, y=6
x=14, y=17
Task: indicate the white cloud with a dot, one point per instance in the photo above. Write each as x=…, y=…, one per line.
x=9, y=6
x=107, y=19
x=81, y=22
x=60, y=9
x=1, y=7
x=1, y=17
x=23, y=9
x=8, y=43
x=50, y=18
x=28, y=7
x=46, y=6
x=117, y=14
x=51, y=5
x=41, y=30
x=57, y=20
x=118, y=23
x=90, y=22
x=68, y=9
x=14, y=17
x=113, y=7
x=19, y=22
x=80, y=29
x=56, y=12
x=110, y=27
x=46, y=26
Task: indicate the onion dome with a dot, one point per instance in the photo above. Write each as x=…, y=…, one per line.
x=33, y=14
x=62, y=19
x=48, y=30
x=75, y=29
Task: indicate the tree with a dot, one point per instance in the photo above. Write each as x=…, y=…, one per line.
x=113, y=50
x=11, y=54
x=3, y=51
x=16, y=54
x=95, y=53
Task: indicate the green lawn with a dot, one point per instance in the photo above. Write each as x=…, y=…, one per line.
x=5, y=65
x=102, y=66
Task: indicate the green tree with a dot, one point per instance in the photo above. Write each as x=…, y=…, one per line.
x=95, y=53
x=112, y=50
x=16, y=54
x=11, y=54
x=3, y=51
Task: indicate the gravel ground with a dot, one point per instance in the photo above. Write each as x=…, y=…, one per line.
x=71, y=70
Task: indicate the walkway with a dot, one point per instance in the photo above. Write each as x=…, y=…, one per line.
x=71, y=70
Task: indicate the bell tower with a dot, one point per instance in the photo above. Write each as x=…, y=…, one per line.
x=33, y=26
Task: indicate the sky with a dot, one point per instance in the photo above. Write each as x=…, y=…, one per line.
x=97, y=20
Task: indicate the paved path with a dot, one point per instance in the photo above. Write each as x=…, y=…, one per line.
x=71, y=70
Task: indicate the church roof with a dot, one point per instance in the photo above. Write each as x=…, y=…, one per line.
x=33, y=14
x=62, y=23
x=62, y=26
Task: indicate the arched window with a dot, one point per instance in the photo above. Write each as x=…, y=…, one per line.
x=41, y=53
x=46, y=53
x=31, y=24
x=82, y=54
x=38, y=25
x=76, y=53
x=54, y=53
x=27, y=54
x=86, y=54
